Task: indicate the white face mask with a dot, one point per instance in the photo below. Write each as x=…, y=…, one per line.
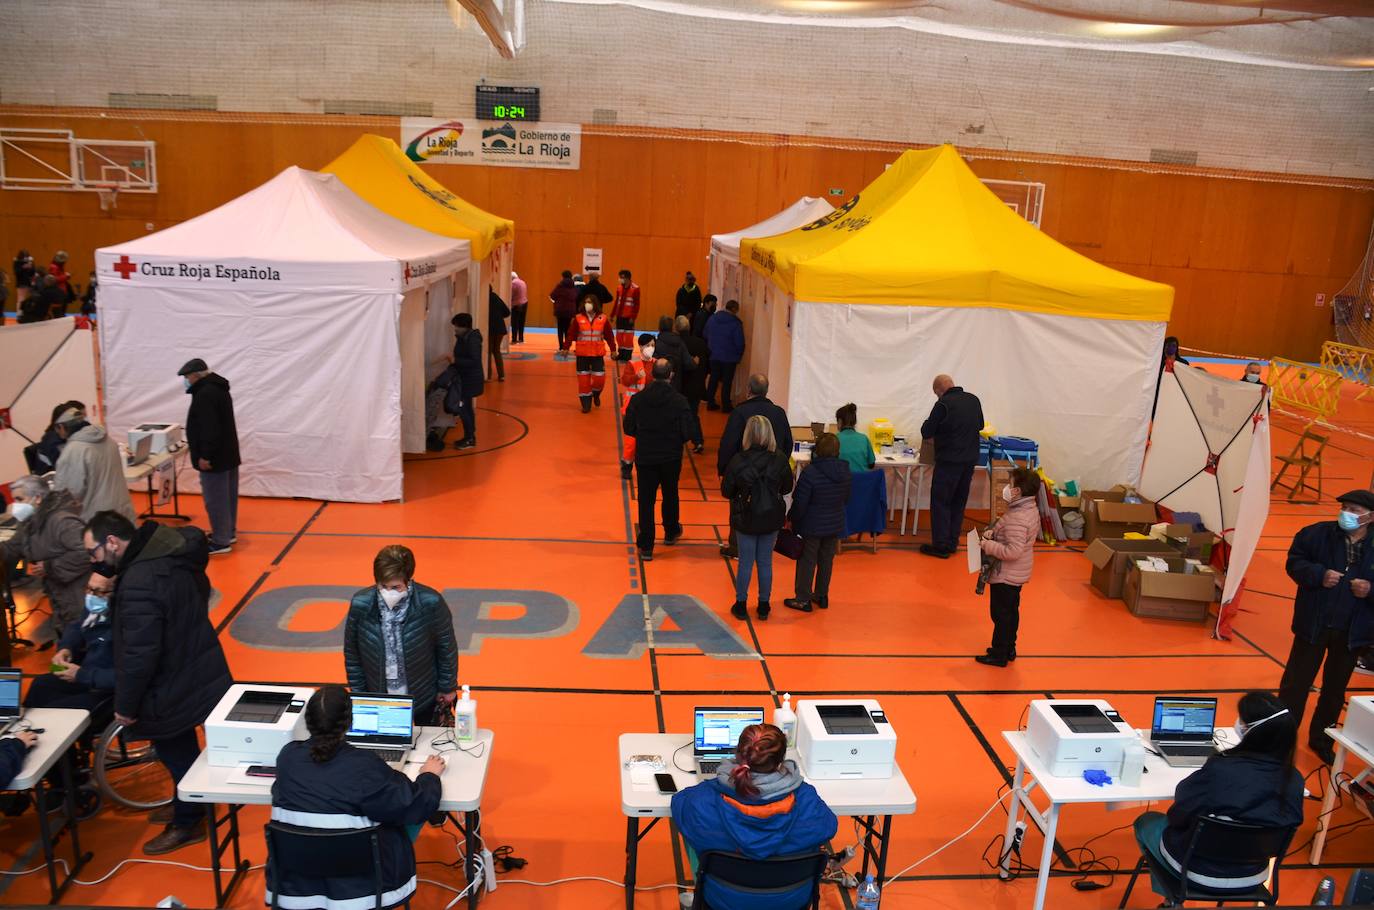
x=588, y=307
x=1240, y=728
x=1252, y=377
x=1010, y=494
x=391, y=598
x=22, y=511
x=647, y=352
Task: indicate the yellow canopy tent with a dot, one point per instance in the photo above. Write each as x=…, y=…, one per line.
x=926, y=271
x=376, y=169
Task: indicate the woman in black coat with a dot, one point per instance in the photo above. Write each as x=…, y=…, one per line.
x=468, y=354
x=755, y=482
x=818, y=516
x=325, y=783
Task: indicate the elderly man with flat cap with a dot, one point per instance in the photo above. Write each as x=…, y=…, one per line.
x=214, y=440
x=1333, y=613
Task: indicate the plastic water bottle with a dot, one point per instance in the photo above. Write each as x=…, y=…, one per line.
x=868, y=896
x=785, y=719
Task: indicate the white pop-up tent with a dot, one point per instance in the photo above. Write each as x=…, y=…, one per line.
x=1209, y=453
x=312, y=304
x=724, y=258
x=42, y=364
x=926, y=271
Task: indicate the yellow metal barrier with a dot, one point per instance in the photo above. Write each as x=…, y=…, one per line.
x=1353, y=363
x=1305, y=387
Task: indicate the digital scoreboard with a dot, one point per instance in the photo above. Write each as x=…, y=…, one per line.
x=507, y=102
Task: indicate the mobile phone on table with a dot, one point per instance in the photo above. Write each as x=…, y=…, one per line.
x=666, y=784
x=261, y=771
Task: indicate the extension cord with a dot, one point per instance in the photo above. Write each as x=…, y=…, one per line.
x=844, y=856
x=1017, y=838
x=1361, y=795
x=489, y=866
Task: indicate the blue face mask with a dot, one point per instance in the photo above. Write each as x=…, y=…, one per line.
x=1348, y=521
x=96, y=605
x=186, y=382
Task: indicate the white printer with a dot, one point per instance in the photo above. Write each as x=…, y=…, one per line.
x=252, y=723
x=1359, y=720
x=845, y=739
x=1071, y=737
x=166, y=436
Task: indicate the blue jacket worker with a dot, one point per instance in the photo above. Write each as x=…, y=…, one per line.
x=955, y=423
x=757, y=806
x=86, y=655
x=817, y=516
x=1332, y=563
x=324, y=783
x=724, y=334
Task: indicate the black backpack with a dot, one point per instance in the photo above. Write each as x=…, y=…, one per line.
x=761, y=509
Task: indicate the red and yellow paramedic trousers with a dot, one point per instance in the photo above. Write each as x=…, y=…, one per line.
x=625, y=337
x=591, y=375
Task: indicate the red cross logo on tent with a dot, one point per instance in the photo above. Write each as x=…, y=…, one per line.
x=124, y=267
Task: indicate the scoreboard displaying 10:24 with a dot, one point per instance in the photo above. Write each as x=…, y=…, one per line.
x=506, y=102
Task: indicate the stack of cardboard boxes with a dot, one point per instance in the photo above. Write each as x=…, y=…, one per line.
x=1159, y=571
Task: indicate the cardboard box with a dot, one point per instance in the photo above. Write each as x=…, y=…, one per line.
x=1192, y=544
x=1172, y=594
x=1110, y=559
x=999, y=475
x=927, y=452
x=1106, y=515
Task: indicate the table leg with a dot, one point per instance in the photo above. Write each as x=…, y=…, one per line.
x=866, y=822
x=882, y=850
x=1042, y=883
x=631, y=859
x=474, y=840
x=40, y=793
x=1328, y=801
x=906, y=495
x=1013, y=811
x=79, y=859
x=214, y=822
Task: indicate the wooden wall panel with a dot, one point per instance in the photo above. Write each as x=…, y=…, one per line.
x=1245, y=257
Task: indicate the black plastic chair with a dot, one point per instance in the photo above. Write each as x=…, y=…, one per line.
x=776, y=875
x=1223, y=841
x=324, y=853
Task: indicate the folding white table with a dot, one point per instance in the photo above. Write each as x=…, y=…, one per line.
x=1157, y=783
x=463, y=781
x=901, y=465
x=1345, y=746
x=865, y=800
x=147, y=471
x=61, y=727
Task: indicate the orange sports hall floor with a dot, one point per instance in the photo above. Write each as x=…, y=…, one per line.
x=539, y=507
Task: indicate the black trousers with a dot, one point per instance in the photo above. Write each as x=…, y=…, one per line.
x=1004, y=605
x=814, y=567
x=1304, y=660
x=517, y=323
x=563, y=323
x=948, y=497
x=49, y=691
x=494, y=354
x=652, y=478
x=177, y=754
x=467, y=413
x=723, y=375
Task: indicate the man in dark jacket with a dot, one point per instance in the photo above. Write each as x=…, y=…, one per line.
x=1332, y=563
x=213, y=437
x=661, y=423
x=954, y=423
x=564, y=299
x=497, y=312
x=733, y=437
x=170, y=670
x=86, y=655
x=699, y=364
x=594, y=286
x=669, y=346
x=398, y=638
x=468, y=354
x=725, y=337
x=699, y=318
x=688, y=297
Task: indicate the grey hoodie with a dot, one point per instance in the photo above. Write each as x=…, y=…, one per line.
x=771, y=786
x=92, y=470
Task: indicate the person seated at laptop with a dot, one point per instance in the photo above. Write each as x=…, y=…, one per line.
x=398, y=638
x=323, y=782
x=86, y=651
x=1253, y=782
x=13, y=748
x=758, y=806
x=49, y=539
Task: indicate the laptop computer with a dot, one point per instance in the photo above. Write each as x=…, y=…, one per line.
x=143, y=448
x=1183, y=728
x=11, y=682
x=383, y=724
x=717, y=731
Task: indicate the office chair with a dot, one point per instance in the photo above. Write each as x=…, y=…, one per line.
x=1223, y=841
x=321, y=853
x=776, y=875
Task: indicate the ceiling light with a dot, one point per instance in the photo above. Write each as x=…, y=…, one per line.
x=1128, y=29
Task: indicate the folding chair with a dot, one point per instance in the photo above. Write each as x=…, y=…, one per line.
x=321, y=853
x=761, y=877
x=1220, y=840
x=866, y=511
x=1305, y=461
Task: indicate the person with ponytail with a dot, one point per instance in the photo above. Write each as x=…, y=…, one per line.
x=1253, y=782
x=757, y=805
x=323, y=782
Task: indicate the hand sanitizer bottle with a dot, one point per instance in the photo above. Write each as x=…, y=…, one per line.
x=785, y=719
x=465, y=718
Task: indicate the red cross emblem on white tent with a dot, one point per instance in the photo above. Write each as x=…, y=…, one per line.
x=124, y=267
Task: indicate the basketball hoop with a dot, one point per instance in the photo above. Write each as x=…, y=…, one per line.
x=109, y=195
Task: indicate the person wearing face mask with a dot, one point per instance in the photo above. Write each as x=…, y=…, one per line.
x=467, y=363
x=591, y=332
x=625, y=312
x=1011, y=541
x=633, y=378
x=213, y=437
x=398, y=638
x=1332, y=563
x=49, y=541
x=1253, y=782
x=91, y=467
x=86, y=655
x=1253, y=372
x=170, y=670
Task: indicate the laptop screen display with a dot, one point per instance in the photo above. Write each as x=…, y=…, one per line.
x=718, y=729
x=381, y=720
x=10, y=681
x=1182, y=719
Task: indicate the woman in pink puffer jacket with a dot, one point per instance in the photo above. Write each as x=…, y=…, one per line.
x=1012, y=541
